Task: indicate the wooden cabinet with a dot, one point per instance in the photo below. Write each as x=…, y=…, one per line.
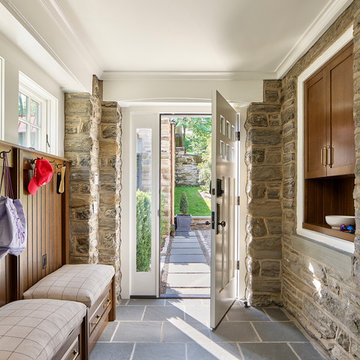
x=329, y=158
x=329, y=125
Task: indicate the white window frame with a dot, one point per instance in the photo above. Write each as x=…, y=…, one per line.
x=2, y=94
x=48, y=113
x=332, y=241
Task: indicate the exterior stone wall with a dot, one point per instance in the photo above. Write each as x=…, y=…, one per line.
x=186, y=168
x=324, y=300
x=93, y=144
x=264, y=222
x=166, y=175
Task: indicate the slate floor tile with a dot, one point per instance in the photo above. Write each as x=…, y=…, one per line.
x=143, y=331
x=108, y=331
x=219, y=351
x=279, y=331
x=187, y=259
x=133, y=313
x=111, y=351
x=171, y=334
x=306, y=351
x=276, y=314
x=154, y=302
x=156, y=313
x=268, y=351
x=159, y=352
x=238, y=313
x=234, y=332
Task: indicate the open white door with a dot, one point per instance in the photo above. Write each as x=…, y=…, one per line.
x=223, y=203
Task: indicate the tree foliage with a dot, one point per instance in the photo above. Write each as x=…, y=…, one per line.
x=184, y=204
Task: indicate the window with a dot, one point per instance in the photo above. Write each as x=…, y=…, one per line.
x=37, y=117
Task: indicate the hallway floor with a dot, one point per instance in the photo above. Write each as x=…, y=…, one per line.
x=177, y=329
x=187, y=270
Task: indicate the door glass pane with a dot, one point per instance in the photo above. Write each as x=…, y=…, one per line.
x=143, y=199
x=22, y=129
x=34, y=113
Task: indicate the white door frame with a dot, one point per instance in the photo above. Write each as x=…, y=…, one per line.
x=144, y=283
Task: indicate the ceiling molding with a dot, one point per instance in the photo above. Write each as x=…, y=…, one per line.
x=317, y=28
x=57, y=13
x=186, y=75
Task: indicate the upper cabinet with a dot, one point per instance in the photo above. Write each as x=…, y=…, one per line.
x=329, y=125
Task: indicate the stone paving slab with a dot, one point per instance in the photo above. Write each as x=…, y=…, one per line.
x=179, y=245
x=187, y=259
x=189, y=268
x=188, y=292
x=183, y=251
x=185, y=240
x=183, y=280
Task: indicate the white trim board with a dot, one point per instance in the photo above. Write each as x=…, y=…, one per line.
x=2, y=98
x=331, y=241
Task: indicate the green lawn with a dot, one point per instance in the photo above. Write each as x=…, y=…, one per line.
x=198, y=206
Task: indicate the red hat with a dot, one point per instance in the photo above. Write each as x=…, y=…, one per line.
x=42, y=175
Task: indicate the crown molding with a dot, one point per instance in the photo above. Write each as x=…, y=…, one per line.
x=317, y=28
x=187, y=75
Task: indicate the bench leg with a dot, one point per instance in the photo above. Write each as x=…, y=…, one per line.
x=112, y=314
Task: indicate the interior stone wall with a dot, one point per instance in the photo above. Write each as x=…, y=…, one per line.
x=93, y=144
x=264, y=221
x=323, y=297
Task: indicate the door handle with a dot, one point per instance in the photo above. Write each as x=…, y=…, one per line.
x=330, y=157
x=324, y=157
x=222, y=223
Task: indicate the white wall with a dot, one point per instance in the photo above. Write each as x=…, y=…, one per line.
x=15, y=60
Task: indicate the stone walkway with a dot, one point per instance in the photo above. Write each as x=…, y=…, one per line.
x=188, y=270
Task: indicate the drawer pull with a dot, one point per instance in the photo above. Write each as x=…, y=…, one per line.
x=108, y=302
x=98, y=317
x=76, y=354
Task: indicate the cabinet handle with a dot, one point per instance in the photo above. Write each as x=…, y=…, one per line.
x=330, y=159
x=323, y=157
x=94, y=323
x=76, y=354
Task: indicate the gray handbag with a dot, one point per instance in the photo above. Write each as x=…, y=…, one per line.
x=13, y=228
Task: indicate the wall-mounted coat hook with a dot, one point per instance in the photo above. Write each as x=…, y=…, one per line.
x=4, y=152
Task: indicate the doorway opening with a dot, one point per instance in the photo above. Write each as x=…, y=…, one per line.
x=185, y=230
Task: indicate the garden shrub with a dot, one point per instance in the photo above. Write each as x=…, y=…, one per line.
x=184, y=204
x=143, y=231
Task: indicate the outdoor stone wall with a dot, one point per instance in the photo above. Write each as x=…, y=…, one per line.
x=324, y=300
x=82, y=118
x=93, y=144
x=166, y=174
x=186, y=168
x=264, y=221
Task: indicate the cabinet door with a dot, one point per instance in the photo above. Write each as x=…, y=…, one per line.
x=315, y=126
x=342, y=145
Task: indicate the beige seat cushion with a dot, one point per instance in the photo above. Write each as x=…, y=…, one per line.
x=36, y=329
x=83, y=283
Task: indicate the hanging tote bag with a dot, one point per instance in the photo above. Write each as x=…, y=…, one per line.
x=12, y=217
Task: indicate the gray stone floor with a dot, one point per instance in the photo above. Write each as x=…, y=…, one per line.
x=178, y=330
x=188, y=272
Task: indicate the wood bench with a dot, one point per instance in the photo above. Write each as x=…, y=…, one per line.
x=43, y=329
x=92, y=285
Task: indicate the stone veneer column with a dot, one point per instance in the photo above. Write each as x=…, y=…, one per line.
x=82, y=118
x=110, y=187
x=264, y=223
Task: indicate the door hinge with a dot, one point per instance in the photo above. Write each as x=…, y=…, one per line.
x=237, y=265
x=238, y=135
x=238, y=200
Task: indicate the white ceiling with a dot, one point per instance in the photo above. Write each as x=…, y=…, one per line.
x=259, y=38
x=191, y=35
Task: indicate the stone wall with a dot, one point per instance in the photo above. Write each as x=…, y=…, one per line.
x=93, y=144
x=82, y=118
x=264, y=162
x=166, y=174
x=186, y=168
x=325, y=300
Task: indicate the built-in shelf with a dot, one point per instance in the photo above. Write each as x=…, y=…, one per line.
x=325, y=229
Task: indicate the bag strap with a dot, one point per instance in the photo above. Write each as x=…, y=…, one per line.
x=6, y=178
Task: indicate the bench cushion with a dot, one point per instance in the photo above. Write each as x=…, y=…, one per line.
x=36, y=329
x=83, y=283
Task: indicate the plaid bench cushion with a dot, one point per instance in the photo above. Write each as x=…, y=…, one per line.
x=83, y=283
x=36, y=329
